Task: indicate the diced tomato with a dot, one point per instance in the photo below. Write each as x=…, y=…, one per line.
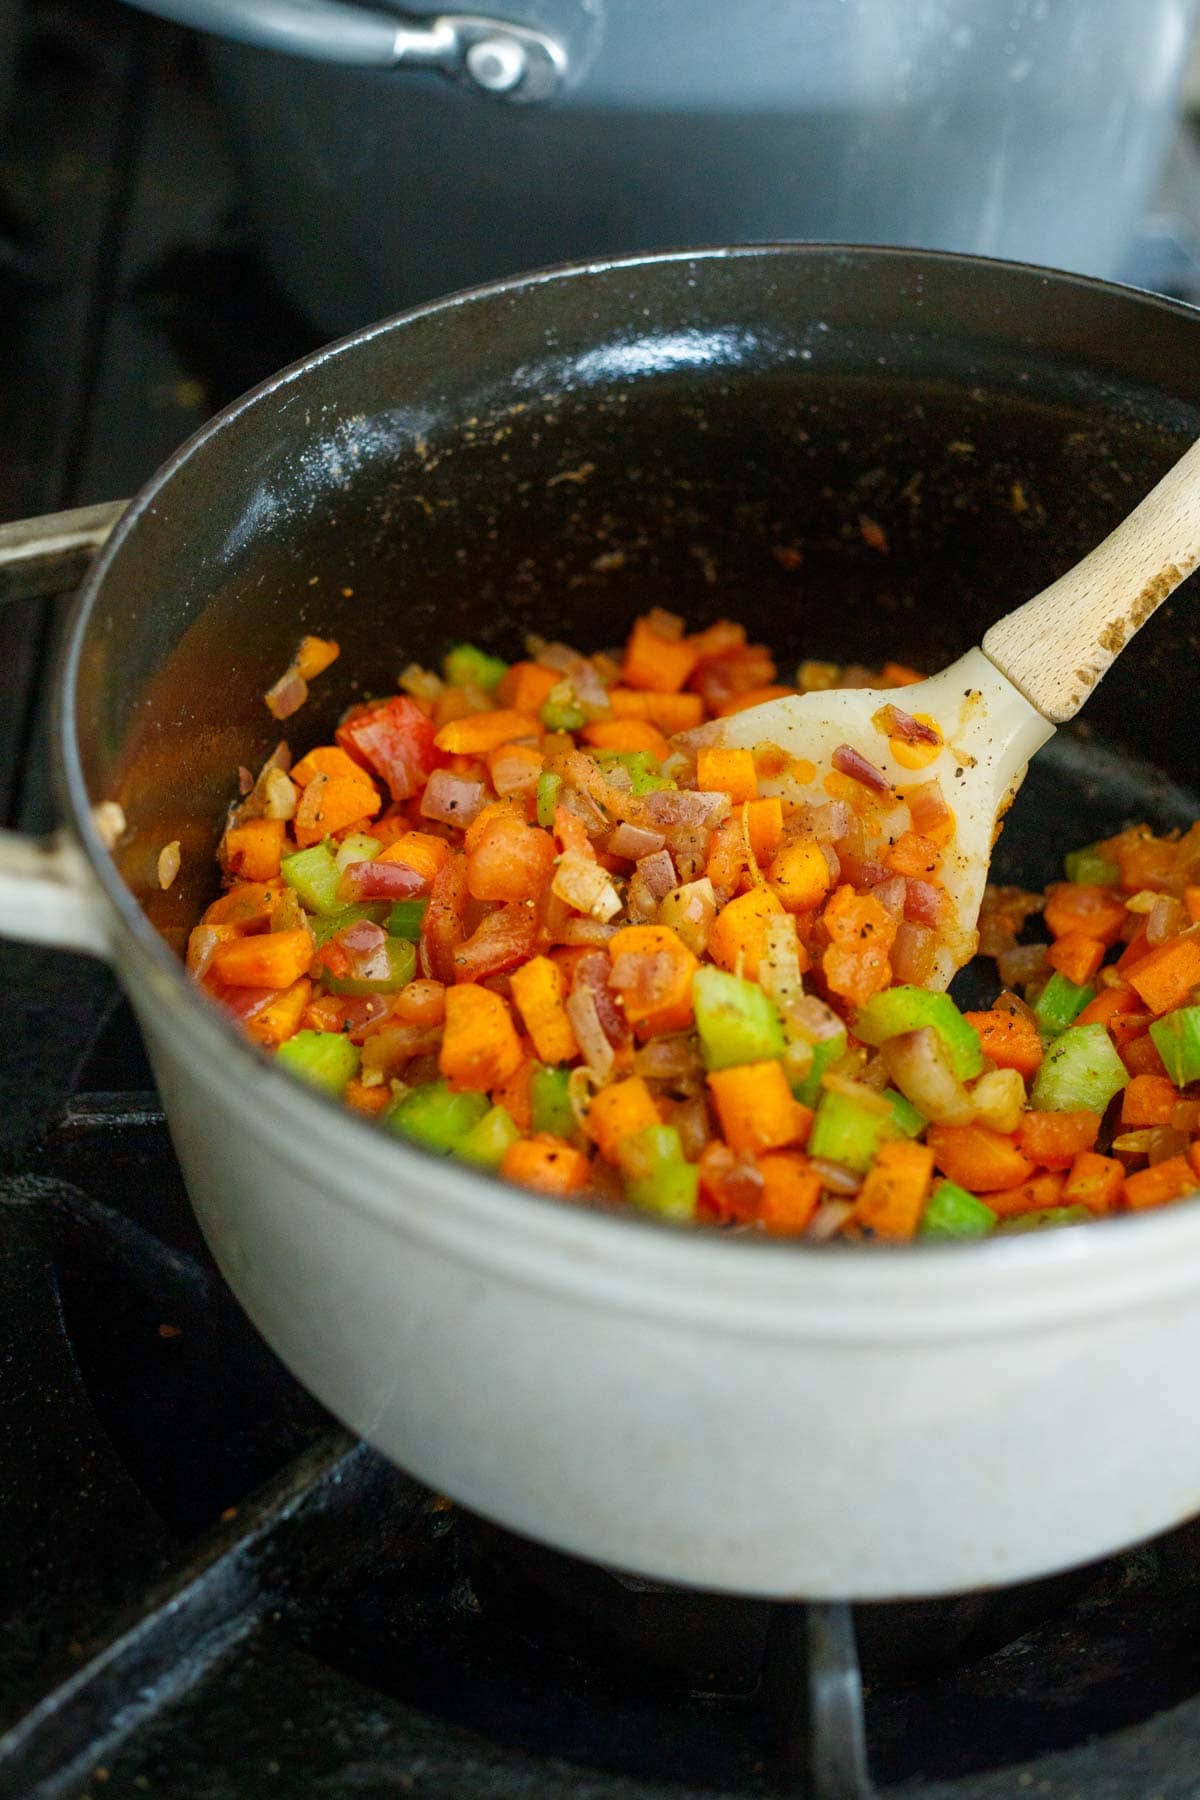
x=394, y=740
x=502, y=940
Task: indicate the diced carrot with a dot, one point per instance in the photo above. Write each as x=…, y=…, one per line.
x=1166, y=976
x=748, y=697
x=620, y=1111
x=331, y=802
x=799, y=875
x=721, y=638
x=280, y=1018
x=914, y=855
x=670, y=712
x=328, y=1012
x=420, y=1003
x=892, y=1197
x=477, y=733
x=627, y=735
x=1148, y=1100
x=271, y=959
x=1076, y=956
x=656, y=662
x=480, y=1047
x=548, y=1164
x=652, y=976
x=369, y=1101
x=738, y=939
x=253, y=850
x=981, y=1160
x=1054, y=1139
x=1138, y=946
x=899, y=675
x=418, y=850
x=1193, y=1156
x=1144, y=860
x=1028, y=1196
x=314, y=656
x=515, y=1095
x=507, y=858
x=1191, y=899
x=525, y=687
x=756, y=1107
x=538, y=993
x=515, y=768
x=856, y=964
x=728, y=855
x=451, y=704
x=1095, y=1182
x=790, y=1192
x=1161, y=1182
x=250, y=905
x=763, y=822
x=1009, y=1039
x=1108, y=1005
x=1140, y=1055
x=327, y=759
x=1075, y=906
x=732, y=772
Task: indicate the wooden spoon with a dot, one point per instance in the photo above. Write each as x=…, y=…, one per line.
x=995, y=706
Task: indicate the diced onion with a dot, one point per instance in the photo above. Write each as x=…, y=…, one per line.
x=583, y=884
x=589, y=1033
x=168, y=863
x=999, y=1099
x=828, y=1220
x=920, y=1067
x=287, y=695
x=836, y=1177
x=635, y=841
x=452, y=799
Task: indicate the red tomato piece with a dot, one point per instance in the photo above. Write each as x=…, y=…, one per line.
x=394, y=740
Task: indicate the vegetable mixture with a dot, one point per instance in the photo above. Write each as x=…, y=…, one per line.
x=508, y=917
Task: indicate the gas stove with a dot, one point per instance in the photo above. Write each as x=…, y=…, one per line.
x=210, y=1591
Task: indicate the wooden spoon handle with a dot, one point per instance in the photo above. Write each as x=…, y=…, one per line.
x=1057, y=646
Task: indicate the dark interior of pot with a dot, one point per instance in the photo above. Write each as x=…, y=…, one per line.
x=704, y=434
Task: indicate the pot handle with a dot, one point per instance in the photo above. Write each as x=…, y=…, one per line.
x=495, y=56
x=48, y=895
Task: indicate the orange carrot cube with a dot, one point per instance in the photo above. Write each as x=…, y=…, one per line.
x=653, y=661
x=756, y=1107
x=538, y=990
x=480, y=1046
x=253, y=850
x=620, y=1111
x=732, y=772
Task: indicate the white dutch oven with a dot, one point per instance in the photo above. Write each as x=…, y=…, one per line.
x=743, y=1415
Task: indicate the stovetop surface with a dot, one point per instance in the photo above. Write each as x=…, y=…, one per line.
x=210, y=1591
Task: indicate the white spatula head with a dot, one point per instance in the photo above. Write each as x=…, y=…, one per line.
x=989, y=732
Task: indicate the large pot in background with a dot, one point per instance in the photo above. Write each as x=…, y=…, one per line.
x=1034, y=129
x=738, y=1413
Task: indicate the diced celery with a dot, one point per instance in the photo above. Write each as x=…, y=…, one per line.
x=486, y=1142
x=1044, y=1217
x=657, y=1179
x=405, y=918
x=645, y=774
x=1176, y=1037
x=736, y=1020
x=468, y=666
x=357, y=846
x=325, y=1058
x=393, y=966
x=547, y=797
x=909, y=1121
x=825, y=1052
x=901, y=1009
x=1059, y=1002
x=562, y=711
x=845, y=1131
x=1080, y=1072
x=1091, y=869
x=552, y=1110
x=950, y=1212
x=324, y=929
x=436, y=1118
x=313, y=875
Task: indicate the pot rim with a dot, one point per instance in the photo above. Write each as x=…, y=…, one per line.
x=1051, y=1275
